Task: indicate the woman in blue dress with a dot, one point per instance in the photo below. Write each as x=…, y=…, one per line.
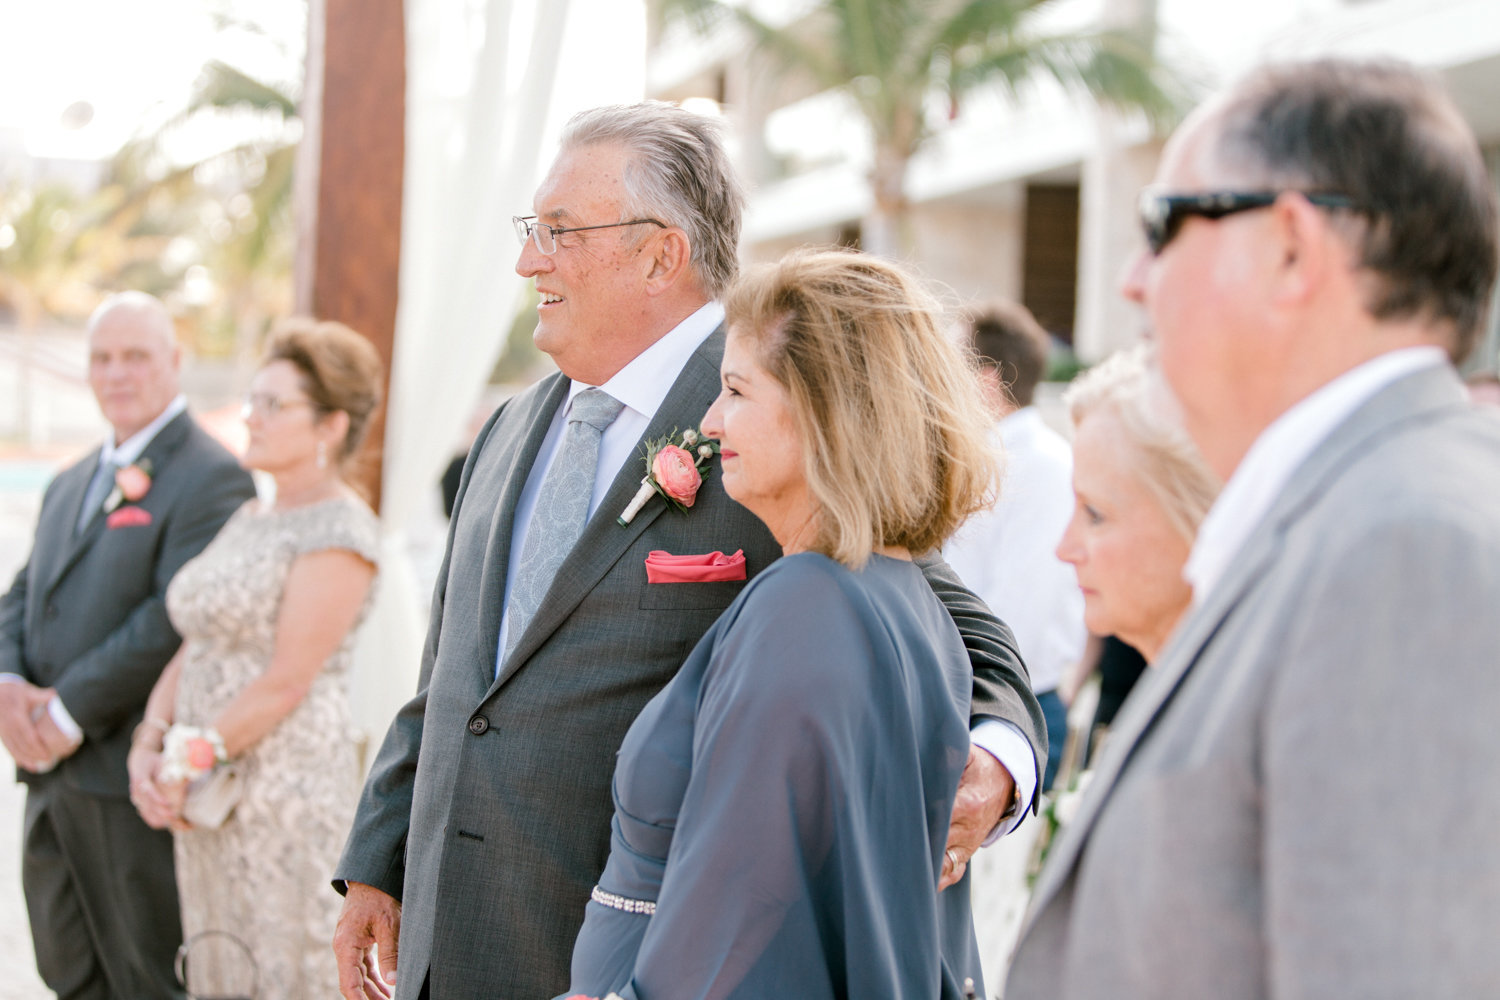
x=781, y=807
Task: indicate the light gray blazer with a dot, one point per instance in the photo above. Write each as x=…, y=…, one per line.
x=1301, y=800
x=487, y=810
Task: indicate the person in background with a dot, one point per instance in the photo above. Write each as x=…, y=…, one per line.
x=1005, y=554
x=1298, y=800
x=84, y=635
x=267, y=613
x=1141, y=489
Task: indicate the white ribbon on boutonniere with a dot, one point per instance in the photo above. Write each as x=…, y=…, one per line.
x=675, y=471
x=132, y=483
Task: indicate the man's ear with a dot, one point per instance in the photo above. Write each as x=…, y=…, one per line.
x=670, y=257
x=1309, y=247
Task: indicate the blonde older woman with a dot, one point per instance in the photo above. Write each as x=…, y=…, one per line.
x=782, y=805
x=1141, y=489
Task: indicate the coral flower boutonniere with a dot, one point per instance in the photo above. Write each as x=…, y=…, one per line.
x=675, y=471
x=132, y=483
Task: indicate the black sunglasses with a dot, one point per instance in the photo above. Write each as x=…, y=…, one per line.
x=1162, y=215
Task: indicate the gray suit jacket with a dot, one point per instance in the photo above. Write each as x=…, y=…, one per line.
x=87, y=613
x=1300, y=799
x=487, y=810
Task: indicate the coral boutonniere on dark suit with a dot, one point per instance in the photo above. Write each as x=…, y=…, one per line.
x=675, y=471
x=132, y=483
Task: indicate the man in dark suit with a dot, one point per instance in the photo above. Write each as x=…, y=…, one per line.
x=83, y=636
x=487, y=812
x=1298, y=799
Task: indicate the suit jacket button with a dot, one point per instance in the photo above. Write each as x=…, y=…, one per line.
x=478, y=725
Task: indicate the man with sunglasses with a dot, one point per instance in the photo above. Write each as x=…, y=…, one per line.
x=487, y=814
x=1299, y=800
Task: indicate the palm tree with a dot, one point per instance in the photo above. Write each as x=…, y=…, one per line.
x=891, y=56
x=240, y=195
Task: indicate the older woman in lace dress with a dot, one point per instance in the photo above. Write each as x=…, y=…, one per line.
x=267, y=614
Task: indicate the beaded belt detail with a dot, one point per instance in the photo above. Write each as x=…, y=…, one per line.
x=609, y=899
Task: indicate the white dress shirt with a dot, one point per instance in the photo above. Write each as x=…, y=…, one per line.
x=641, y=385
x=1008, y=554
x=122, y=454
x=1264, y=471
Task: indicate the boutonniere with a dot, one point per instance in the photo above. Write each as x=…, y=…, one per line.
x=132, y=483
x=675, y=471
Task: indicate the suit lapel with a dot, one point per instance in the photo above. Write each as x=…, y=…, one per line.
x=56, y=538
x=537, y=420
x=1415, y=397
x=604, y=540
x=158, y=453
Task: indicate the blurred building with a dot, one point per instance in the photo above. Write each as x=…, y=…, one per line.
x=1035, y=200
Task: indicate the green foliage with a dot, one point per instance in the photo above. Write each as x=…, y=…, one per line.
x=892, y=56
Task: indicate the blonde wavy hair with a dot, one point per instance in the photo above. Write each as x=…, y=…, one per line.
x=1127, y=388
x=895, y=434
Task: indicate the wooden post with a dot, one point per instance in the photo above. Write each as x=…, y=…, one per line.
x=349, y=177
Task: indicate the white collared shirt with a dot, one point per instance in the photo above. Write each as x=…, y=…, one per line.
x=1278, y=451
x=641, y=385
x=1008, y=554
x=123, y=454
x=130, y=449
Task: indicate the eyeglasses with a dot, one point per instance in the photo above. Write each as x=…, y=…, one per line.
x=268, y=405
x=1162, y=215
x=545, y=236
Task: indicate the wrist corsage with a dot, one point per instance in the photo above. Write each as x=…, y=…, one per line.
x=675, y=471
x=189, y=752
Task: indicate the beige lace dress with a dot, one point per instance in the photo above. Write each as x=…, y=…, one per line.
x=264, y=876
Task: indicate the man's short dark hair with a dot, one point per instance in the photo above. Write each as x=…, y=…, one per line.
x=1007, y=338
x=1386, y=135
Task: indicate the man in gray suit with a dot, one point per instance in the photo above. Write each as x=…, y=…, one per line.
x=487, y=812
x=83, y=636
x=1299, y=801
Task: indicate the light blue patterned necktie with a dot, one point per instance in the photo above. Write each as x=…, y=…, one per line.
x=562, y=507
x=98, y=491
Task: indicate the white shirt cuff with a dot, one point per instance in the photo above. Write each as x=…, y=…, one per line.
x=1004, y=741
x=64, y=721
x=13, y=679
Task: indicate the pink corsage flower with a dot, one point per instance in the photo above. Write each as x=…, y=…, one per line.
x=678, y=474
x=675, y=471
x=200, y=754
x=132, y=483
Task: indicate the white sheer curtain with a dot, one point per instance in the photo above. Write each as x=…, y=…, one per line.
x=489, y=83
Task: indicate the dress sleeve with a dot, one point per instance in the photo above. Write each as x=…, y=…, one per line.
x=802, y=851
x=349, y=525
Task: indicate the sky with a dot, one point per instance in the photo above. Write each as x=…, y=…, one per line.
x=134, y=61
x=131, y=61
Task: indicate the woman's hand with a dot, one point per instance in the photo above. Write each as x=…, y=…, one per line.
x=145, y=794
x=174, y=793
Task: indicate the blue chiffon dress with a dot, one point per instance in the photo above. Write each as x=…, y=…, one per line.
x=784, y=802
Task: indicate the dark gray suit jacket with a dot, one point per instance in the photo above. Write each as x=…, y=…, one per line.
x=87, y=613
x=487, y=811
x=1299, y=800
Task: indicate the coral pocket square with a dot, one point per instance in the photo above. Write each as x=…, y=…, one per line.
x=713, y=567
x=128, y=517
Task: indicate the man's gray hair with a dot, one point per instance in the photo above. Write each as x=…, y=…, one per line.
x=147, y=311
x=678, y=173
